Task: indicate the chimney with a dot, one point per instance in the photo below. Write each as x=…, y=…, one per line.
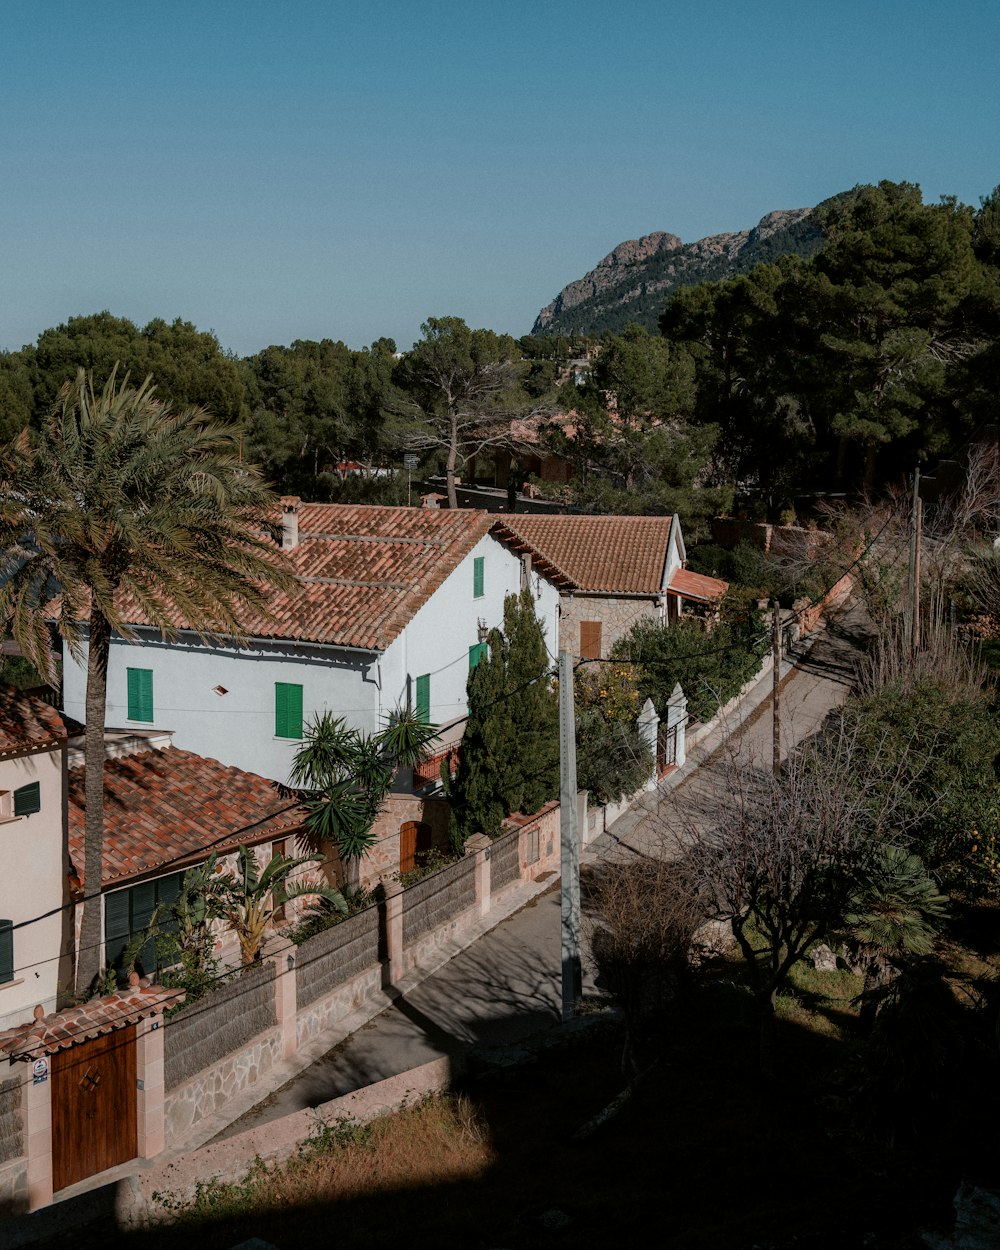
x=289, y=522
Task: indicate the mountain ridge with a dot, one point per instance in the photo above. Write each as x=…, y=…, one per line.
x=636, y=278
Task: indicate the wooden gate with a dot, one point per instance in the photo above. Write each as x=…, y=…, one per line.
x=414, y=837
x=93, y=1106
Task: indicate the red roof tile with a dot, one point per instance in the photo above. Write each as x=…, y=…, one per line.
x=363, y=571
x=47, y=1034
x=697, y=586
x=610, y=554
x=169, y=808
x=27, y=723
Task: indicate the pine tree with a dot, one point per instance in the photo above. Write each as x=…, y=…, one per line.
x=532, y=708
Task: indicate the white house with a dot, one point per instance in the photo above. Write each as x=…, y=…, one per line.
x=392, y=606
x=611, y=571
x=33, y=919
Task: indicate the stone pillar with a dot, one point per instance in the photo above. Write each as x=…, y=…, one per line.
x=649, y=727
x=582, y=797
x=480, y=846
x=150, y=1082
x=393, y=970
x=677, y=710
x=36, y=1107
x=281, y=951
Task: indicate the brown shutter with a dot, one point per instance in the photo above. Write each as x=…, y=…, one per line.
x=590, y=640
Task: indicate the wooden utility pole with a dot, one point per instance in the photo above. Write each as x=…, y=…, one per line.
x=916, y=519
x=776, y=686
x=569, y=844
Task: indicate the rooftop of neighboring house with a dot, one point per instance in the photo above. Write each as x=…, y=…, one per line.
x=697, y=586
x=166, y=809
x=364, y=571
x=624, y=555
x=27, y=723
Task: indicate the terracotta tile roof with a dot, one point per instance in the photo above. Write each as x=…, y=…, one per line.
x=169, y=808
x=27, y=723
x=364, y=572
x=610, y=554
x=697, y=586
x=46, y=1034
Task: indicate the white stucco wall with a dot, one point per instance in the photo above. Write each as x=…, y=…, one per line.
x=238, y=727
x=438, y=638
x=32, y=881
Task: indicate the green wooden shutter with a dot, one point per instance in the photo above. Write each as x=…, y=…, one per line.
x=478, y=565
x=140, y=694
x=476, y=653
x=142, y=902
x=6, y=951
x=28, y=799
x=424, y=698
x=287, y=710
x=115, y=926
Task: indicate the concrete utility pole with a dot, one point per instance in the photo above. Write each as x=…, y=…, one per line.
x=569, y=843
x=776, y=687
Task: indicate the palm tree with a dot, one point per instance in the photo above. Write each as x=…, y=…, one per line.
x=122, y=507
x=250, y=897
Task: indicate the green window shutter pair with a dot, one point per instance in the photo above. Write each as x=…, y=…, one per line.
x=6, y=951
x=28, y=799
x=476, y=653
x=424, y=698
x=128, y=912
x=478, y=577
x=140, y=694
x=287, y=710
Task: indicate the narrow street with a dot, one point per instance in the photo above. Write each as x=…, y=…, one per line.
x=506, y=986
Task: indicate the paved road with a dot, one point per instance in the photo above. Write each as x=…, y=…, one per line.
x=506, y=986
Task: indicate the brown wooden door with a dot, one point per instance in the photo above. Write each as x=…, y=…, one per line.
x=414, y=836
x=93, y=1106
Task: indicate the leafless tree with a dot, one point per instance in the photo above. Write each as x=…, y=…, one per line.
x=779, y=857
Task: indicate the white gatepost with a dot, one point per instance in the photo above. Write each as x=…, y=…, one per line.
x=677, y=711
x=649, y=729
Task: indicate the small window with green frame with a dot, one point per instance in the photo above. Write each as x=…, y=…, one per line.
x=478, y=577
x=476, y=652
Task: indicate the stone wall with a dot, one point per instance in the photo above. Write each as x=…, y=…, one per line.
x=383, y=859
x=617, y=616
x=213, y=1088
x=345, y=998
x=505, y=864
x=13, y=1188
x=218, y=1024
x=11, y=1120
x=325, y=962
x=437, y=899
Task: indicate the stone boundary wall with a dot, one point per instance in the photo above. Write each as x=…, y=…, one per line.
x=810, y=616
x=218, y=1025
x=11, y=1120
x=438, y=899
x=505, y=861
x=325, y=962
x=209, y=1091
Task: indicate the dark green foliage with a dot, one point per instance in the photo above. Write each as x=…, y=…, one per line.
x=658, y=277
x=612, y=760
x=954, y=734
x=710, y=667
x=509, y=758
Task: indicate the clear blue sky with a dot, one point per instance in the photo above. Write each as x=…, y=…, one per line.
x=306, y=170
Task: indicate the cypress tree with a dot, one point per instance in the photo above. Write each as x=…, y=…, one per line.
x=509, y=758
